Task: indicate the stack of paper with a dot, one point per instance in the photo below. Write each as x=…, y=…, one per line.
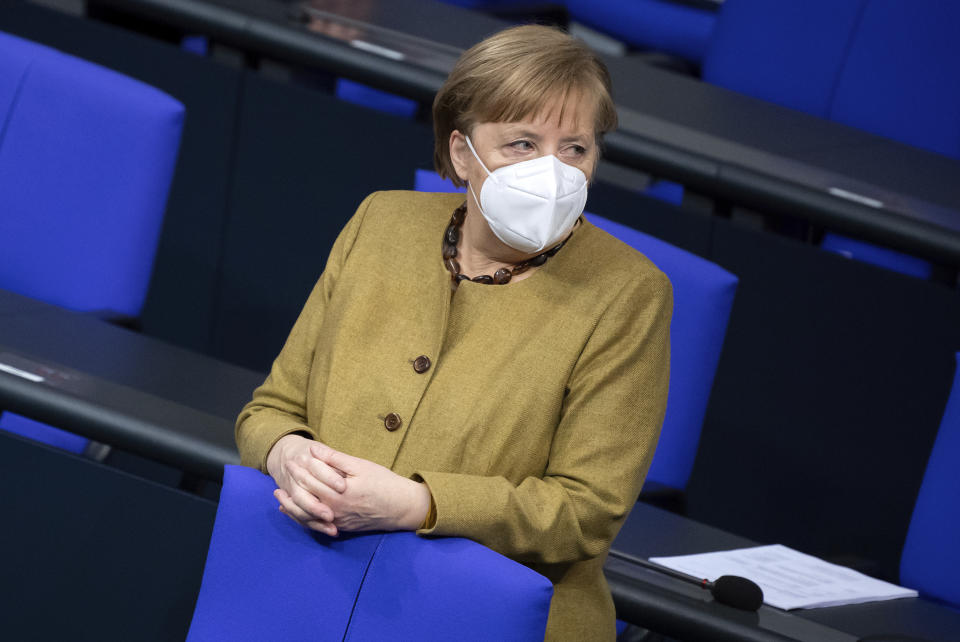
x=789, y=579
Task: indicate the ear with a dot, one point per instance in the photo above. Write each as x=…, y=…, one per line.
x=459, y=154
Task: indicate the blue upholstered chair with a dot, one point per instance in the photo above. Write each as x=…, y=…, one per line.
x=267, y=578
x=703, y=297
x=884, y=66
x=366, y=96
x=86, y=160
x=931, y=556
x=675, y=28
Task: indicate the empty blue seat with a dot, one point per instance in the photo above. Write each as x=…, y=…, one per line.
x=268, y=578
x=674, y=28
x=703, y=295
x=86, y=160
x=876, y=255
x=789, y=52
x=899, y=77
x=366, y=96
x=931, y=555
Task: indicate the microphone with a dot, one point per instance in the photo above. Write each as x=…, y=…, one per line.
x=732, y=590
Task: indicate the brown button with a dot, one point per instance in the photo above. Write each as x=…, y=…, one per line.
x=421, y=364
x=392, y=421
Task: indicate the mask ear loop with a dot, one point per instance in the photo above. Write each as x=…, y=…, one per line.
x=490, y=175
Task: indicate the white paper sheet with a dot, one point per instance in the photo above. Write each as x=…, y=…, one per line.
x=789, y=579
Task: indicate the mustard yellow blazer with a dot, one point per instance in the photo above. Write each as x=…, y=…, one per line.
x=531, y=410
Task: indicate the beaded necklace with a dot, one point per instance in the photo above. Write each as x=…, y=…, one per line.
x=451, y=237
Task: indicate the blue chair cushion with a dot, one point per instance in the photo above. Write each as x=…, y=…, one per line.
x=789, y=53
x=702, y=300
x=365, y=96
x=899, y=78
x=86, y=159
x=267, y=578
x=930, y=561
x=425, y=180
x=658, y=25
x=43, y=433
x=876, y=255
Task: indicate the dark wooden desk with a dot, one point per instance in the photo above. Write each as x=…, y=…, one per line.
x=687, y=612
x=727, y=145
x=121, y=388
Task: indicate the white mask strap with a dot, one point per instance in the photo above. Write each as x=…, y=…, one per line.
x=475, y=155
x=469, y=185
x=475, y=197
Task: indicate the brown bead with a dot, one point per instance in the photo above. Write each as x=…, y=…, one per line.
x=462, y=277
x=452, y=235
x=452, y=265
x=392, y=422
x=483, y=278
x=538, y=260
x=449, y=251
x=502, y=276
x=421, y=364
x=520, y=269
x=458, y=217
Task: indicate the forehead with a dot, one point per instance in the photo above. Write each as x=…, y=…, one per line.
x=573, y=113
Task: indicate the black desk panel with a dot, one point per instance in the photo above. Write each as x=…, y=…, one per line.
x=121, y=388
x=687, y=612
x=91, y=553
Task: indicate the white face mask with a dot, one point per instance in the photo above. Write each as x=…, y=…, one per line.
x=532, y=204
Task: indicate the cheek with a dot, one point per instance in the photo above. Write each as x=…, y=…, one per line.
x=476, y=176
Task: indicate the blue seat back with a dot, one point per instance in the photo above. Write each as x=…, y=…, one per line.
x=884, y=66
x=931, y=555
x=43, y=433
x=357, y=93
x=659, y=25
x=86, y=159
x=702, y=299
x=267, y=578
x=425, y=180
x=899, y=78
x=788, y=52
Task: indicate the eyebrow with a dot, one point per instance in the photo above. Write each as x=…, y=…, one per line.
x=526, y=133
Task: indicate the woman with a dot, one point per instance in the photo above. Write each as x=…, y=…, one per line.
x=495, y=369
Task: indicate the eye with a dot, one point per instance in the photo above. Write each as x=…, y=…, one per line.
x=522, y=145
x=576, y=150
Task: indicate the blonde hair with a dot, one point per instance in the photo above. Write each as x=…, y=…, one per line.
x=514, y=74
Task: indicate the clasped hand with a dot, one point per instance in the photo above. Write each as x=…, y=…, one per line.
x=329, y=491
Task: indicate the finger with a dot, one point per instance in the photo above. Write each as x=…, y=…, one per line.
x=326, y=475
x=292, y=518
x=290, y=509
x=345, y=464
x=328, y=455
x=307, y=481
x=327, y=528
x=317, y=509
x=304, y=506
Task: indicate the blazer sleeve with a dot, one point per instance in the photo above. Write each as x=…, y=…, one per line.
x=601, y=450
x=278, y=407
